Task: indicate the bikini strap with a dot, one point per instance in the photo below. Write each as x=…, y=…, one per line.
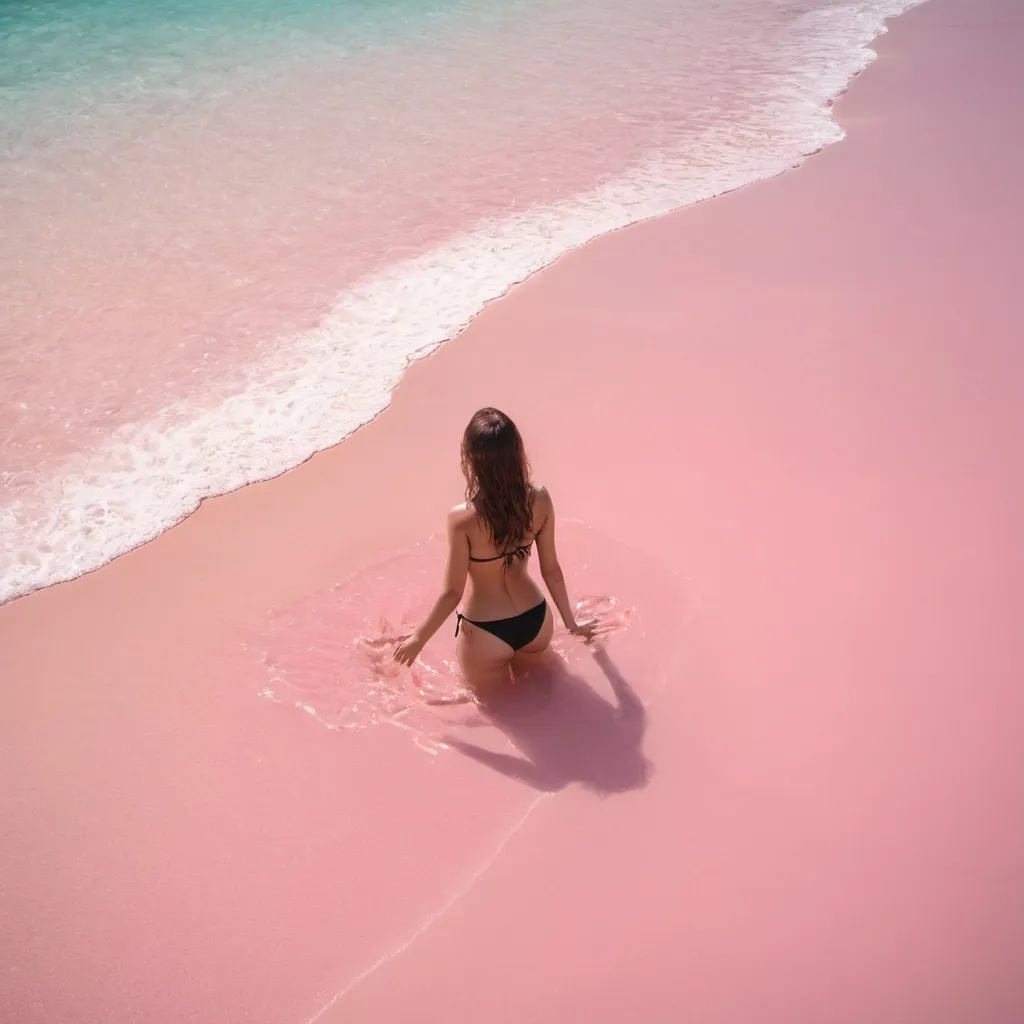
x=458, y=621
x=508, y=554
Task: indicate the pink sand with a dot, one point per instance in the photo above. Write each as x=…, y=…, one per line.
x=790, y=423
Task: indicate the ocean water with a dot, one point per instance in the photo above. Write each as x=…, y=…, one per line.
x=227, y=227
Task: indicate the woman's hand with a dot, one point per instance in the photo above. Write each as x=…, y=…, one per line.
x=585, y=630
x=408, y=648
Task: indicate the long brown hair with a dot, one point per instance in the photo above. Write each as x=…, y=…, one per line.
x=498, y=480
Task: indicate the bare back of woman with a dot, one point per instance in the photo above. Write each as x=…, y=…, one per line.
x=491, y=538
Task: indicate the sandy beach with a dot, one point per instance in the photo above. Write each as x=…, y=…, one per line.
x=783, y=431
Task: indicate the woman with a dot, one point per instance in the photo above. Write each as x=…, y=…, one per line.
x=490, y=539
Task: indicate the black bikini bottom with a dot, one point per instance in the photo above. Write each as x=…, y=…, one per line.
x=517, y=631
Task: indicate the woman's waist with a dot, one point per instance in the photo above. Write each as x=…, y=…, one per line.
x=486, y=603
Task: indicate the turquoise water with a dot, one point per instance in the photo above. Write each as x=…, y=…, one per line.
x=65, y=65
x=228, y=227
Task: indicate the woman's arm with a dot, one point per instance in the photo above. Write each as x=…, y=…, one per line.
x=550, y=570
x=455, y=573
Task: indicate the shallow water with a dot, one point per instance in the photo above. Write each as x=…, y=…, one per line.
x=228, y=227
x=331, y=654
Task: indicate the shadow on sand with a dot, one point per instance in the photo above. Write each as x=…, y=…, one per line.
x=564, y=731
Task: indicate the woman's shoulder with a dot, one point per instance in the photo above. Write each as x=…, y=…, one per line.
x=461, y=516
x=541, y=507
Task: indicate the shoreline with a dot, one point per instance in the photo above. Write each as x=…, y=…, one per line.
x=172, y=508
x=787, y=420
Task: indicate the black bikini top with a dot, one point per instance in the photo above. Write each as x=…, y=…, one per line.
x=524, y=550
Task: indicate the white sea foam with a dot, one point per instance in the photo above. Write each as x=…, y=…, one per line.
x=320, y=386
